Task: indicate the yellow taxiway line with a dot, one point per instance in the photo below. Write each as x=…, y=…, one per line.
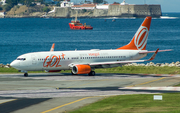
x=65, y=104
x=147, y=82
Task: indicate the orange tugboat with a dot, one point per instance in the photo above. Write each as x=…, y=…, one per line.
x=75, y=24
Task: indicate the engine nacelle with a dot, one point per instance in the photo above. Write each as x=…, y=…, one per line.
x=81, y=69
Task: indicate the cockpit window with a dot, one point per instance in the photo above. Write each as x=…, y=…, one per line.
x=21, y=59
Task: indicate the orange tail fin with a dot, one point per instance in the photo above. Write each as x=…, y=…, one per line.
x=139, y=40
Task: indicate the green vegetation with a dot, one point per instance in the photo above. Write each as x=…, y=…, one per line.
x=46, y=9
x=1, y=8
x=105, y=2
x=124, y=69
x=58, y=0
x=141, y=69
x=7, y=7
x=8, y=70
x=25, y=2
x=177, y=85
x=84, y=10
x=97, y=1
x=134, y=103
x=11, y=3
x=12, y=70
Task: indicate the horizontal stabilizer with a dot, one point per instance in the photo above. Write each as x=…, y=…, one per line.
x=141, y=52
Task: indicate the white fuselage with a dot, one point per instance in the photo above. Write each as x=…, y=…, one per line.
x=61, y=60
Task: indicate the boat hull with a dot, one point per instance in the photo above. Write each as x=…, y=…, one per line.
x=79, y=27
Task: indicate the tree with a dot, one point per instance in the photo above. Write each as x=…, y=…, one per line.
x=1, y=8
x=7, y=7
x=97, y=1
x=28, y=2
x=42, y=1
x=105, y=2
x=11, y=2
x=58, y=0
x=116, y=3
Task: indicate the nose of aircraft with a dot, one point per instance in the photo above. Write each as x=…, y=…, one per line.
x=14, y=64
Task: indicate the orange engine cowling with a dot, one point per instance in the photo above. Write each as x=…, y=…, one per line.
x=81, y=69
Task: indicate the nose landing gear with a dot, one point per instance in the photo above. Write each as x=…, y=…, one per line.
x=25, y=73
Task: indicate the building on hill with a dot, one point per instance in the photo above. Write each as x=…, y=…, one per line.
x=3, y=2
x=102, y=6
x=2, y=15
x=124, y=3
x=67, y=3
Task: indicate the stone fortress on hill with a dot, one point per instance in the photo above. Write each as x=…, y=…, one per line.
x=68, y=10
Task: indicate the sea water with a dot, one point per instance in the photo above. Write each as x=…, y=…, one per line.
x=23, y=35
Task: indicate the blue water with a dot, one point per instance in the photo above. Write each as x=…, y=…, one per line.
x=23, y=35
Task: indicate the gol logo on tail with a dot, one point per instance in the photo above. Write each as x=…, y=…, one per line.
x=141, y=38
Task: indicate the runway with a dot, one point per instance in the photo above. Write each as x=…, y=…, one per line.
x=57, y=92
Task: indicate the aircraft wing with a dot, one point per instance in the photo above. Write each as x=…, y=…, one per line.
x=124, y=62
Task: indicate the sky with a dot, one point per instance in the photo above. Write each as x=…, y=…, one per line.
x=166, y=5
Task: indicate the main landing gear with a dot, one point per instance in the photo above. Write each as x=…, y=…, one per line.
x=25, y=74
x=92, y=73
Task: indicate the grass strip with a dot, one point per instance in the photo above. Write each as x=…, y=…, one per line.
x=139, y=103
x=141, y=69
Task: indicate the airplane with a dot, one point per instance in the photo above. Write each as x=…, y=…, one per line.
x=86, y=61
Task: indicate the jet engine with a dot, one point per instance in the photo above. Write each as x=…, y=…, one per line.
x=81, y=69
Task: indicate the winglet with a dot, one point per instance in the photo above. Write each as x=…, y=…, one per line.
x=52, y=48
x=154, y=55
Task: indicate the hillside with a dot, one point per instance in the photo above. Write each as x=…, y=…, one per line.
x=24, y=11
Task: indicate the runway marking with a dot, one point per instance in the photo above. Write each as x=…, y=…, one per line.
x=147, y=82
x=65, y=104
x=8, y=101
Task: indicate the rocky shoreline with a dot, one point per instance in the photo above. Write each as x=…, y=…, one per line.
x=173, y=64
x=5, y=66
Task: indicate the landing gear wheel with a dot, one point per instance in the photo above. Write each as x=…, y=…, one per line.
x=26, y=74
x=92, y=73
x=73, y=73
